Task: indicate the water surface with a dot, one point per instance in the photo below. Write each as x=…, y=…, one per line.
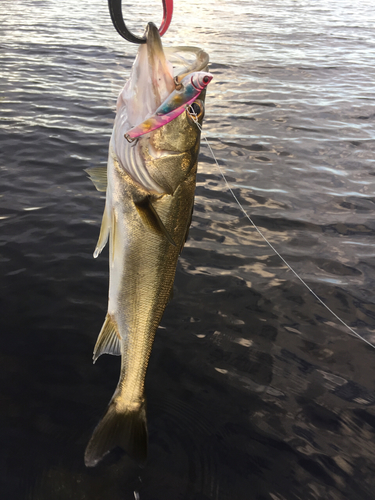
x=254, y=390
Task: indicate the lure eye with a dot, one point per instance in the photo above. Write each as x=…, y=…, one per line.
x=195, y=110
x=206, y=79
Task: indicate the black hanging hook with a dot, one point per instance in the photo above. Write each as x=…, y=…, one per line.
x=118, y=21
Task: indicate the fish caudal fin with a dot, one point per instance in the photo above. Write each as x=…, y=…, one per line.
x=126, y=429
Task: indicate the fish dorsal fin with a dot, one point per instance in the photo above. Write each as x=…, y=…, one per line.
x=108, y=340
x=98, y=176
x=150, y=217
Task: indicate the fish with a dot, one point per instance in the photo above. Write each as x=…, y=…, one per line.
x=150, y=187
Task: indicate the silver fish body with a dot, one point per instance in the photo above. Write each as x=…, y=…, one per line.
x=149, y=201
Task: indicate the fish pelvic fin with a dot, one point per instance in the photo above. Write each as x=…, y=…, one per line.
x=108, y=340
x=104, y=233
x=126, y=428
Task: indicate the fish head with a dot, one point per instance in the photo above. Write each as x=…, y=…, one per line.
x=151, y=82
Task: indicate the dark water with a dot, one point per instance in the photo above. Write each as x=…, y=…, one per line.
x=254, y=391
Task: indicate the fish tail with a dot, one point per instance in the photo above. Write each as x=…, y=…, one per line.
x=123, y=427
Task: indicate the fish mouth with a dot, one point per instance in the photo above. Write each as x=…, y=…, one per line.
x=160, y=70
x=154, y=45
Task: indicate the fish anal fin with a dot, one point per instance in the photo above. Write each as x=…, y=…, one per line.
x=123, y=427
x=98, y=176
x=104, y=232
x=108, y=340
x=151, y=218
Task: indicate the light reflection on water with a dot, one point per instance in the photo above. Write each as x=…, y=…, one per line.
x=253, y=390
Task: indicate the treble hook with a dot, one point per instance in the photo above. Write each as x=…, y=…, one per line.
x=118, y=21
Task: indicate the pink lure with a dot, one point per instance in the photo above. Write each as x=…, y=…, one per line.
x=174, y=105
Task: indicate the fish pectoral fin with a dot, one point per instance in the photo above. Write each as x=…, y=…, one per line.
x=104, y=233
x=98, y=176
x=108, y=340
x=151, y=218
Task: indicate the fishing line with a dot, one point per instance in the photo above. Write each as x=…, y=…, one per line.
x=353, y=332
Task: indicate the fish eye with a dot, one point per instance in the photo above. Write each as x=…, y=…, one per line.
x=195, y=110
x=206, y=79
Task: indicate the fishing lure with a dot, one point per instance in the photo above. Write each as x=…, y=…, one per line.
x=185, y=94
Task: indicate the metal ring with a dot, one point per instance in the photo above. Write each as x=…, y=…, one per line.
x=118, y=20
